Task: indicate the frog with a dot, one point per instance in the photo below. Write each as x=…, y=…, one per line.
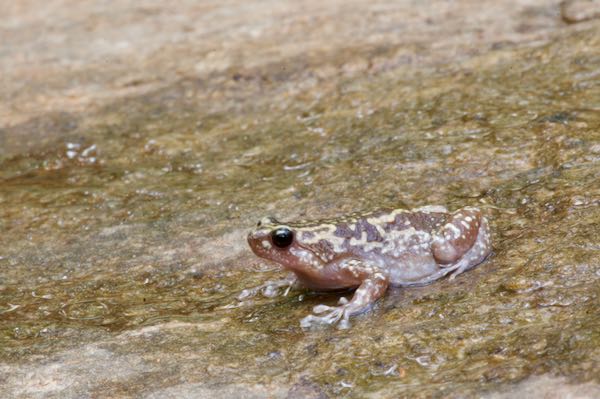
x=369, y=252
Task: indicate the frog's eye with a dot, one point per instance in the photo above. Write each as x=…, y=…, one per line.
x=282, y=237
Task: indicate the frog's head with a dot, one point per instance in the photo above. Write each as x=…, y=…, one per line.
x=279, y=242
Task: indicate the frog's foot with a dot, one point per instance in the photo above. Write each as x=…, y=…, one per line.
x=331, y=315
x=270, y=289
x=371, y=289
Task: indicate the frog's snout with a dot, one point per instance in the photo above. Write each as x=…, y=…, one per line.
x=251, y=239
x=255, y=238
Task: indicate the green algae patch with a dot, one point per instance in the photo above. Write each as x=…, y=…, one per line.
x=125, y=238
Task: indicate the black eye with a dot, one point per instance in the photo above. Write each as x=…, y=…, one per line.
x=282, y=237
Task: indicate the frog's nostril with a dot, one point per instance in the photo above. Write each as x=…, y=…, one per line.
x=266, y=221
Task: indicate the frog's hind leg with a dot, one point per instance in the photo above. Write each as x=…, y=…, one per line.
x=476, y=254
x=457, y=236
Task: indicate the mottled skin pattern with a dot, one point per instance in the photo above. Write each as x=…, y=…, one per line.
x=371, y=251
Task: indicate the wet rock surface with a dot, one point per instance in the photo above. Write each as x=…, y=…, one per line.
x=138, y=144
x=574, y=11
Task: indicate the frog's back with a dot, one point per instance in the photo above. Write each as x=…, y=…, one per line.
x=385, y=232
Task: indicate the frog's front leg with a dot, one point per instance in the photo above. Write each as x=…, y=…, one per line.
x=372, y=284
x=270, y=288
